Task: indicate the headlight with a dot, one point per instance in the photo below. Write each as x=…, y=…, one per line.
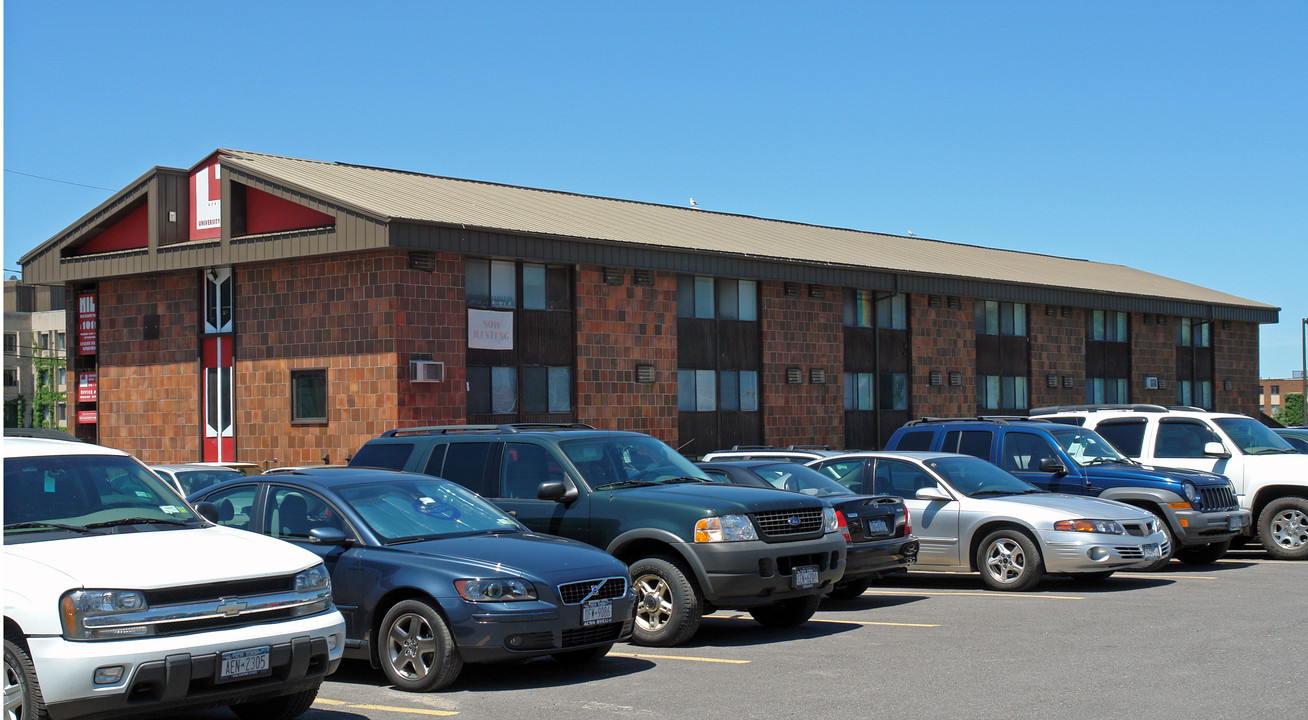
x=1106, y=527
x=728, y=528
x=313, y=580
x=505, y=589
x=1191, y=493
x=103, y=614
x=830, y=523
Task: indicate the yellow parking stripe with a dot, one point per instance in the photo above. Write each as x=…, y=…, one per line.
x=678, y=657
x=386, y=708
x=1172, y=576
x=976, y=594
x=867, y=622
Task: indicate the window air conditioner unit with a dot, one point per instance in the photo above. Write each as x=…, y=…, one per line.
x=426, y=371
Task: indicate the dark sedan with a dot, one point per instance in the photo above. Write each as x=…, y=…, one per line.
x=430, y=576
x=1296, y=436
x=876, y=527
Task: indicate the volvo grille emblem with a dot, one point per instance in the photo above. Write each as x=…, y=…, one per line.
x=232, y=607
x=794, y=521
x=593, y=589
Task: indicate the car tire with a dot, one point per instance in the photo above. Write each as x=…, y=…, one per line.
x=787, y=613
x=1162, y=562
x=581, y=657
x=22, y=691
x=416, y=649
x=1203, y=554
x=285, y=707
x=1283, y=528
x=849, y=590
x=668, y=605
x=1009, y=560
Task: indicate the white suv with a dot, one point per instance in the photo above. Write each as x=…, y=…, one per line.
x=1270, y=477
x=121, y=601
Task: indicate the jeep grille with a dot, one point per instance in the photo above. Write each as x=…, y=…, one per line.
x=775, y=523
x=1217, y=498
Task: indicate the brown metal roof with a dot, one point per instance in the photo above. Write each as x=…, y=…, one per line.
x=396, y=195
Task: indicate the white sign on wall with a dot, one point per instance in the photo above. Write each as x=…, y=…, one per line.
x=490, y=330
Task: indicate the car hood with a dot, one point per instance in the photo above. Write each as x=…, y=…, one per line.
x=168, y=558
x=1293, y=464
x=710, y=498
x=1064, y=507
x=1155, y=473
x=529, y=555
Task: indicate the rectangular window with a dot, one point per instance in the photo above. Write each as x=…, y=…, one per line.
x=737, y=390
x=858, y=391
x=1000, y=318
x=696, y=390
x=217, y=301
x=858, y=308
x=1195, y=393
x=61, y=376
x=545, y=287
x=1192, y=332
x=43, y=341
x=492, y=390
x=62, y=342
x=996, y=392
x=490, y=283
x=546, y=389
x=11, y=377
x=892, y=312
x=1108, y=326
x=309, y=395
x=11, y=343
x=705, y=298
x=894, y=391
x=1106, y=390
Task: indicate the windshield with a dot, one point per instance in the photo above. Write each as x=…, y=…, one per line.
x=1086, y=447
x=974, y=477
x=423, y=509
x=1252, y=437
x=638, y=459
x=81, y=491
x=195, y=480
x=789, y=476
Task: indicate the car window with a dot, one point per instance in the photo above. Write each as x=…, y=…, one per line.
x=388, y=455
x=916, y=440
x=977, y=478
x=1025, y=451
x=1086, y=447
x=1125, y=435
x=524, y=467
x=436, y=462
x=407, y=509
x=235, y=505
x=846, y=472
x=797, y=478
x=1182, y=439
x=1297, y=442
x=968, y=442
x=900, y=477
x=1251, y=436
x=293, y=512
x=85, y=489
x=465, y=464
x=193, y=481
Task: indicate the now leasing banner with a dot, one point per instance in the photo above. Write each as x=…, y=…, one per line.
x=490, y=330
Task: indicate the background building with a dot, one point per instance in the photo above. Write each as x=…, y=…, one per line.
x=279, y=310
x=1272, y=391
x=35, y=355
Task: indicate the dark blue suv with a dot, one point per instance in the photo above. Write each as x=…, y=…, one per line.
x=1198, y=509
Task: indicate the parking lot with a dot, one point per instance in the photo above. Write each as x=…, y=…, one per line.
x=1219, y=641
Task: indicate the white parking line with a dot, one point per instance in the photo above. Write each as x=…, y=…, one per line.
x=678, y=657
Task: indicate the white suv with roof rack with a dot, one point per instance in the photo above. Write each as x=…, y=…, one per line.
x=794, y=453
x=1270, y=477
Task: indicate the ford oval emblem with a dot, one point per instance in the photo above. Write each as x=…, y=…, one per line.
x=794, y=521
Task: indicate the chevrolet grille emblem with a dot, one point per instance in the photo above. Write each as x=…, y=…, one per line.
x=232, y=607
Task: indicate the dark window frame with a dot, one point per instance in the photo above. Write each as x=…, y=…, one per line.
x=295, y=391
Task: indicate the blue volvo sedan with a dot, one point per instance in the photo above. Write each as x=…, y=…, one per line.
x=429, y=575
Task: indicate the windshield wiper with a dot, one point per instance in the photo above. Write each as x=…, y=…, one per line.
x=417, y=538
x=682, y=479
x=988, y=493
x=625, y=483
x=139, y=521
x=57, y=526
x=1032, y=491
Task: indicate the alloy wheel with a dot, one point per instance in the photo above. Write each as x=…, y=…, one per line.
x=654, y=602
x=411, y=646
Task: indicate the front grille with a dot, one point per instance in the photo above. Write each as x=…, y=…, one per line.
x=1130, y=552
x=218, y=623
x=1136, y=529
x=777, y=523
x=786, y=565
x=592, y=634
x=576, y=592
x=1217, y=498
x=219, y=590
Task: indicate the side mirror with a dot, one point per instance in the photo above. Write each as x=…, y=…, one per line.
x=1215, y=449
x=208, y=511
x=1052, y=465
x=933, y=493
x=327, y=536
x=557, y=491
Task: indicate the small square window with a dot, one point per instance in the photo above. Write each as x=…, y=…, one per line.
x=309, y=395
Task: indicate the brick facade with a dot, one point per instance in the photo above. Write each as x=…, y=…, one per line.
x=1057, y=349
x=943, y=341
x=1235, y=357
x=619, y=327
x=1153, y=354
x=803, y=332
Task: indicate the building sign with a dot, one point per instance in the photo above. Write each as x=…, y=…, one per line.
x=490, y=330
x=86, y=387
x=206, y=202
x=86, y=417
x=86, y=324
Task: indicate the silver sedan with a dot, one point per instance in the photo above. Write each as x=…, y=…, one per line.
x=970, y=515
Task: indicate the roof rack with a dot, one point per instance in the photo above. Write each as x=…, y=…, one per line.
x=752, y=447
x=997, y=419
x=506, y=428
x=1133, y=407
x=809, y=447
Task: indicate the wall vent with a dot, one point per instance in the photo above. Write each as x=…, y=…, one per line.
x=422, y=260
x=644, y=278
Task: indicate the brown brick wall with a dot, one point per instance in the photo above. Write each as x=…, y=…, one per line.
x=618, y=327
x=806, y=333
x=1153, y=353
x=149, y=390
x=943, y=340
x=1235, y=357
x=1058, y=349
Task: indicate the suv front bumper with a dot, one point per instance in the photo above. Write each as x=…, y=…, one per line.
x=1192, y=527
x=740, y=575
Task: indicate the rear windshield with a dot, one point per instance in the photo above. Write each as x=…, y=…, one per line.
x=390, y=456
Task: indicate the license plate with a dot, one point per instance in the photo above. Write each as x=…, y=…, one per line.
x=1233, y=523
x=1152, y=551
x=251, y=662
x=876, y=527
x=596, y=612
x=806, y=576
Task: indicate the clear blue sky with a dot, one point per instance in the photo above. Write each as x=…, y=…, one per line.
x=1167, y=136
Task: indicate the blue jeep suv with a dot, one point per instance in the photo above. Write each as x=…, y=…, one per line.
x=1198, y=509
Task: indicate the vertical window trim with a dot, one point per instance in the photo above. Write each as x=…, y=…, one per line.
x=296, y=394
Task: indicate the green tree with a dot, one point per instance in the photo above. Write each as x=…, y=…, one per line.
x=1291, y=412
x=46, y=395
